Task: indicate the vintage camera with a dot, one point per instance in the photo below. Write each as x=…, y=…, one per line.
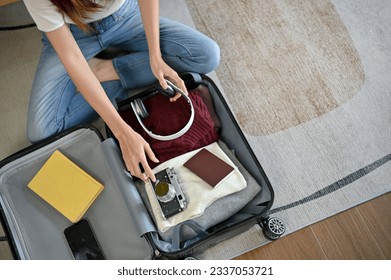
x=169, y=193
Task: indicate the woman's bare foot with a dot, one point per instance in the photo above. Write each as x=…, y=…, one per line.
x=103, y=69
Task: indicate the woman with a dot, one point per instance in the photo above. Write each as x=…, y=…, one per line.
x=71, y=86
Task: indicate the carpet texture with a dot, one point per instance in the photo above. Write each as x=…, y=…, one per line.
x=291, y=57
x=308, y=81
x=309, y=84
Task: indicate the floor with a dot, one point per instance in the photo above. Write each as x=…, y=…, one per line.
x=6, y=2
x=361, y=233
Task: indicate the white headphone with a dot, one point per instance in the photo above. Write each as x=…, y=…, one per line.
x=141, y=112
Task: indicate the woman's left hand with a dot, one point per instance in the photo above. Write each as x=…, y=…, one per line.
x=162, y=71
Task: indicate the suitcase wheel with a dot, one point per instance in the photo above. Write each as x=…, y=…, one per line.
x=190, y=258
x=273, y=228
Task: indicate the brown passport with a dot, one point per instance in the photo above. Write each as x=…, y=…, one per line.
x=208, y=167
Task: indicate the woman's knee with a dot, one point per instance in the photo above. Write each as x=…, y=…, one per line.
x=35, y=134
x=37, y=130
x=212, y=55
x=40, y=121
x=204, y=57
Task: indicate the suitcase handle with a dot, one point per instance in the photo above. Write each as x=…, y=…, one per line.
x=191, y=79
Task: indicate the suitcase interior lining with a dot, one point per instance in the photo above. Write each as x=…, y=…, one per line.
x=37, y=228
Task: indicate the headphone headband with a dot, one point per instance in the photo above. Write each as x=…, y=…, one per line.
x=171, y=136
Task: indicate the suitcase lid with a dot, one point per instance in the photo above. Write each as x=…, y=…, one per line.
x=36, y=228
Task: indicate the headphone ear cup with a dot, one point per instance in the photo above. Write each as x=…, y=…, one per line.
x=169, y=92
x=140, y=108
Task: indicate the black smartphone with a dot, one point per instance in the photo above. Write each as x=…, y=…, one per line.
x=83, y=242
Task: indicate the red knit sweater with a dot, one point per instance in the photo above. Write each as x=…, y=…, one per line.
x=166, y=118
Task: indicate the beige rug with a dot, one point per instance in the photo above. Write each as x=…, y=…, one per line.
x=308, y=81
x=291, y=57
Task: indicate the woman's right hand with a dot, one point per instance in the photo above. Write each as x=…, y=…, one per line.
x=134, y=148
x=134, y=152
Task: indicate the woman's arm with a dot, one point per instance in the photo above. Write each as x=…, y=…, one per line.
x=133, y=147
x=149, y=10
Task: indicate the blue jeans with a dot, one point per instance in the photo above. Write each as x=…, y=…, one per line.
x=55, y=104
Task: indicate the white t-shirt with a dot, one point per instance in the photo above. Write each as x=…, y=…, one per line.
x=47, y=17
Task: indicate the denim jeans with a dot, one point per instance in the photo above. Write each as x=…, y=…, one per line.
x=55, y=104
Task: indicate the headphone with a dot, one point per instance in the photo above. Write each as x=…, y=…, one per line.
x=141, y=112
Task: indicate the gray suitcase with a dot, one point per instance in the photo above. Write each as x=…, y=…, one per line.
x=119, y=217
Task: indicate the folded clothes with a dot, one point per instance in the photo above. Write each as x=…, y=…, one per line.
x=218, y=210
x=200, y=195
x=166, y=118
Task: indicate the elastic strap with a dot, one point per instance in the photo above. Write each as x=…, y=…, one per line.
x=176, y=235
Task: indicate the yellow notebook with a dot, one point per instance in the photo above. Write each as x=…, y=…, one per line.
x=65, y=186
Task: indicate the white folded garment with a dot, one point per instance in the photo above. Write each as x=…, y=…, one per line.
x=199, y=194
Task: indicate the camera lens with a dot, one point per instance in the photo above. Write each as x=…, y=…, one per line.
x=161, y=189
x=164, y=191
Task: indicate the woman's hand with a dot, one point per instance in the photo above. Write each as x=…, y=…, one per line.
x=134, y=151
x=150, y=16
x=134, y=148
x=162, y=71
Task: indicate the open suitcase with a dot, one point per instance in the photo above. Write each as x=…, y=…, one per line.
x=119, y=216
